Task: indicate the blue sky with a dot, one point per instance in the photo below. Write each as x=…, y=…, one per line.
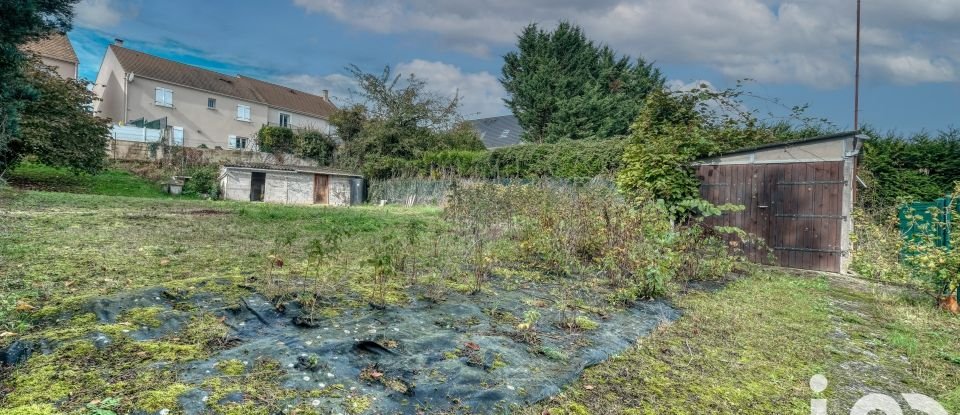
x=797, y=51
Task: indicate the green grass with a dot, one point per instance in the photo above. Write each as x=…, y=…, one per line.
x=110, y=182
x=752, y=347
x=58, y=248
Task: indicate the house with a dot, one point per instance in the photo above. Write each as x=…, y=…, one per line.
x=798, y=198
x=290, y=184
x=201, y=108
x=57, y=52
x=497, y=132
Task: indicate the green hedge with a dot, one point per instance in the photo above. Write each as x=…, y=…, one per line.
x=921, y=166
x=566, y=160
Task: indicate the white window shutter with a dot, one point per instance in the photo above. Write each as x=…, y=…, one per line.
x=232, y=142
x=169, y=97
x=158, y=96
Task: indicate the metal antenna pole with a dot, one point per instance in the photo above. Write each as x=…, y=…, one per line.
x=856, y=79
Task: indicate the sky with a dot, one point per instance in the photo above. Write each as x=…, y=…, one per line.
x=792, y=52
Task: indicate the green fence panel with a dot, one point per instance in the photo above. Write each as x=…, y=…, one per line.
x=921, y=220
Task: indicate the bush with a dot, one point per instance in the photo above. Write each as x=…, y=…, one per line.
x=564, y=160
x=203, y=181
x=576, y=231
x=316, y=146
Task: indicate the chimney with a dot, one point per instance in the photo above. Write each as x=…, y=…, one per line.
x=118, y=42
x=326, y=95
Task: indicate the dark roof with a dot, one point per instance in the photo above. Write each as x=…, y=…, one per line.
x=242, y=87
x=55, y=46
x=496, y=132
x=296, y=169
x=826, y=137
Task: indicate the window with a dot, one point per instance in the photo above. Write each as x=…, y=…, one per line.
x=236, y=143
x=243, y=112
x=164, y=97
x=178, y=136
x=212, y=103
x=284, y=120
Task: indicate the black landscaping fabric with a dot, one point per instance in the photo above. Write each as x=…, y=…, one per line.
x=463, y=354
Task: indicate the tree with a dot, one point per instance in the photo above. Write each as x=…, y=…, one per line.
x=668, y=135
x=22, y=21
x=675, y=128
x=399, y=120
x=563, y=86
x=57, y=126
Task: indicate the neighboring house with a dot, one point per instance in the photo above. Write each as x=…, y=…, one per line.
x=201, y=107
x=497, y=132
x=57, y=52
x=290, y=184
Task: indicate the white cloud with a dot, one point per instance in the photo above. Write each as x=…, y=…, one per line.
x=96, y=14
x=480, y=93
x=790, y=41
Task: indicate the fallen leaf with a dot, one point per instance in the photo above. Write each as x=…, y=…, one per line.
x=472, y=346
x=68, y=284
x=164, y=262
x=588, y=387
x=376, y=375
x=7, y=334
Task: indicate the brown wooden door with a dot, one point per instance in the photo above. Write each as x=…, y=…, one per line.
x=320, y=185
x=796, y=208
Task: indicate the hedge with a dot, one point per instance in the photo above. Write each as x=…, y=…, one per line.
x=565, y=160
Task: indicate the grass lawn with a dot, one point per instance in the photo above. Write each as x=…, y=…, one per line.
x=111, y=182
x=63, y=247
x=752, y=347
x=749, y=347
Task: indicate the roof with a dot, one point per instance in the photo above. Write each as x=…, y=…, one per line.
x=496, y=132
x=242, y=87
x=294, y=169
x=55, y=46
x=793, y=143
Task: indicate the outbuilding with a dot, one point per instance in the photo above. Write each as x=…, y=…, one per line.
x=797, y=196
x=291, y=185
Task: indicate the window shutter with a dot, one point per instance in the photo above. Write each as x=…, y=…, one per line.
x=169, y=97
x=232, y=142
x=158, y=96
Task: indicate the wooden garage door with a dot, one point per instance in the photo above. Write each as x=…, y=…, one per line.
x=796, y=208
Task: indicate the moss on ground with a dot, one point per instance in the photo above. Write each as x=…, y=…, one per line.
x=752, y=347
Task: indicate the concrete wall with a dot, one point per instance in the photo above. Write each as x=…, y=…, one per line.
x=826, y=150
x=110, y=87
x=66, y=70
x=283, y=187
x=235, y=184
x=338, y=191
x=289, y=188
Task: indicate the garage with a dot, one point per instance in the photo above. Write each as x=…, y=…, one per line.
x=797, y=196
